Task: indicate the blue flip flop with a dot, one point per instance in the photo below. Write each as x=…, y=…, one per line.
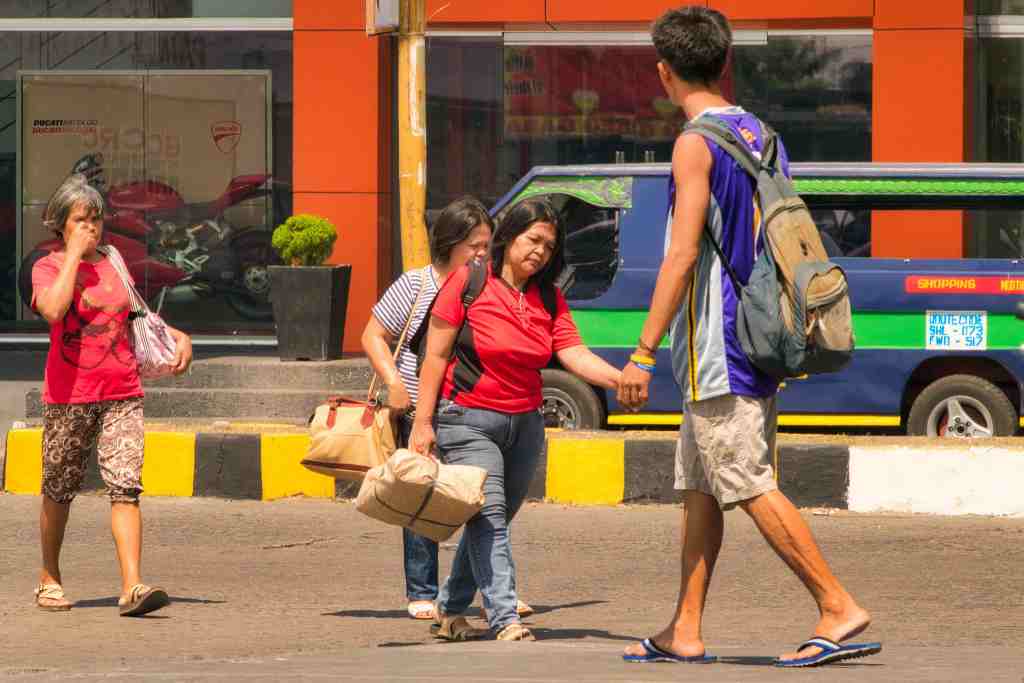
x=653, y=653
x=831, y=651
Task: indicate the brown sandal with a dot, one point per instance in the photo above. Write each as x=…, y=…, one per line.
x=515, y=631
x=456, y=629
x=50, y=597
x=142, y=600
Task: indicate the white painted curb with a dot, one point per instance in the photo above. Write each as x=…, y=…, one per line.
x=974, y=480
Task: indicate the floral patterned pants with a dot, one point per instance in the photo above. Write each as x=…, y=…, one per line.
x=72, y=430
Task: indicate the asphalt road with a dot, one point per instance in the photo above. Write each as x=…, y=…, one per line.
x=303, y=589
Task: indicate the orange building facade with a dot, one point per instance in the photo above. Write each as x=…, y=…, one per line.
x=343, y=121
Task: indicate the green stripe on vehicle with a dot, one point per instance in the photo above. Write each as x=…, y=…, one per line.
x=904, y=186
x=612, y=192
x=621, y=329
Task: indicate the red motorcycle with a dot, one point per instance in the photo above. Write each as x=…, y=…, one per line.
x=179, y=252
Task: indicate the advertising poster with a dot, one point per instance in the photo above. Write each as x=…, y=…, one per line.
x=182, y=160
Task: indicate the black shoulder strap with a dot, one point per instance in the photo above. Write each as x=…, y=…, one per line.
x=475, y=284
x=550, y=299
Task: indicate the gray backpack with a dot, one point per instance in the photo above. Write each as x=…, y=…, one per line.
x=794, y=317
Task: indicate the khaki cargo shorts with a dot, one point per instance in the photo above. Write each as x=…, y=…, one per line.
x=726, y=448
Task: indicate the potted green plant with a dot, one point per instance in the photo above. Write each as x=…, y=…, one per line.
x=309, y=298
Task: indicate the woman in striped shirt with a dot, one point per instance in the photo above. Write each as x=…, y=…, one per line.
x=461, y=233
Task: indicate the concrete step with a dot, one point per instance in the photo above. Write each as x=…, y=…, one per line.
x=266, y=405
x=268, y=372
x=214, y=369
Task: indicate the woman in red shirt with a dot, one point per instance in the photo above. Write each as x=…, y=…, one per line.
x=92, y=393
x=488, y=414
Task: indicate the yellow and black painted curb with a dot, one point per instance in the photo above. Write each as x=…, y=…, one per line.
x=600, y=468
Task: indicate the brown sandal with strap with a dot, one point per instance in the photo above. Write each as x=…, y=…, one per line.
x=515, y=631
x=50, y=597
x=142, y=599
x=456, y=629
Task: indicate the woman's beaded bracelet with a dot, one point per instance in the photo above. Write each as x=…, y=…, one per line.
x=644, y=366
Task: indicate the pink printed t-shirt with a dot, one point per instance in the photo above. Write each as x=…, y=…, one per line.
x=90, y=356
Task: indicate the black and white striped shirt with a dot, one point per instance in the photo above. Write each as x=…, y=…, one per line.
x=392, y=311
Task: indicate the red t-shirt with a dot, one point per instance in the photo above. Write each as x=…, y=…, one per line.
x=90, y=356
x=507, y=341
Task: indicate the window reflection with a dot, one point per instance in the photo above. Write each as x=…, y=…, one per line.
x=495, y=111
x=844, y=232
x=984, y=7
x=149, y=53
x=142, y=9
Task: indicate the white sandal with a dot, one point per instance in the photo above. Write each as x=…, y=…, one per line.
x=421, y=609
x=50, y=597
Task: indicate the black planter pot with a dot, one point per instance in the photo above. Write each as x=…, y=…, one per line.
x=309, y=310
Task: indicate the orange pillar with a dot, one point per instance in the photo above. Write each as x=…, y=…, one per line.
x=342, y=132
x=919, y=100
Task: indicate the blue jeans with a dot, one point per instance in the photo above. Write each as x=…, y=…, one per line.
x=507, y=446
x=420, y=553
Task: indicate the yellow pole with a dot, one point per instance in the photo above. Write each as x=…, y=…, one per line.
x=412, y=134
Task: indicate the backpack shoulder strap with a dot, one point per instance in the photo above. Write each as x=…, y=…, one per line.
x=717, y=131
x=720, y=133
x=475, y=283
x=770, y=157
x=550, y=299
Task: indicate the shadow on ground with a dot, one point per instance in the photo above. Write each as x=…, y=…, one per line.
x=402, y=614
x=112, y=602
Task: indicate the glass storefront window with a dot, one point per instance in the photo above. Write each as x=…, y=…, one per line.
x=999, y=137
x=989, y=7
x=142, y=9
x=993, y=233
x=999, y=117
x=193, y=133
x=496, y=110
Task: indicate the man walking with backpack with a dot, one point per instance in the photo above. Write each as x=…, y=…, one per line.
x=724, y=454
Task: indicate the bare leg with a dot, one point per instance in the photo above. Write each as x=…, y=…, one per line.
x=702, y=539
x=53, y=520
x=126, y=526
x=790, y=537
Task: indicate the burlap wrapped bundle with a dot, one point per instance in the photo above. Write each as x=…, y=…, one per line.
x=421, y=494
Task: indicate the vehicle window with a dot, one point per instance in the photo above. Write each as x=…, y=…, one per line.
x=591, y=246
x=981, y=233
x=844, y=232
x=993, y=233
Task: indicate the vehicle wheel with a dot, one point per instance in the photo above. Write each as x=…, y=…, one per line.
x=254, y=304
x=962, y=406
x=569, y=402
x=254, y=253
